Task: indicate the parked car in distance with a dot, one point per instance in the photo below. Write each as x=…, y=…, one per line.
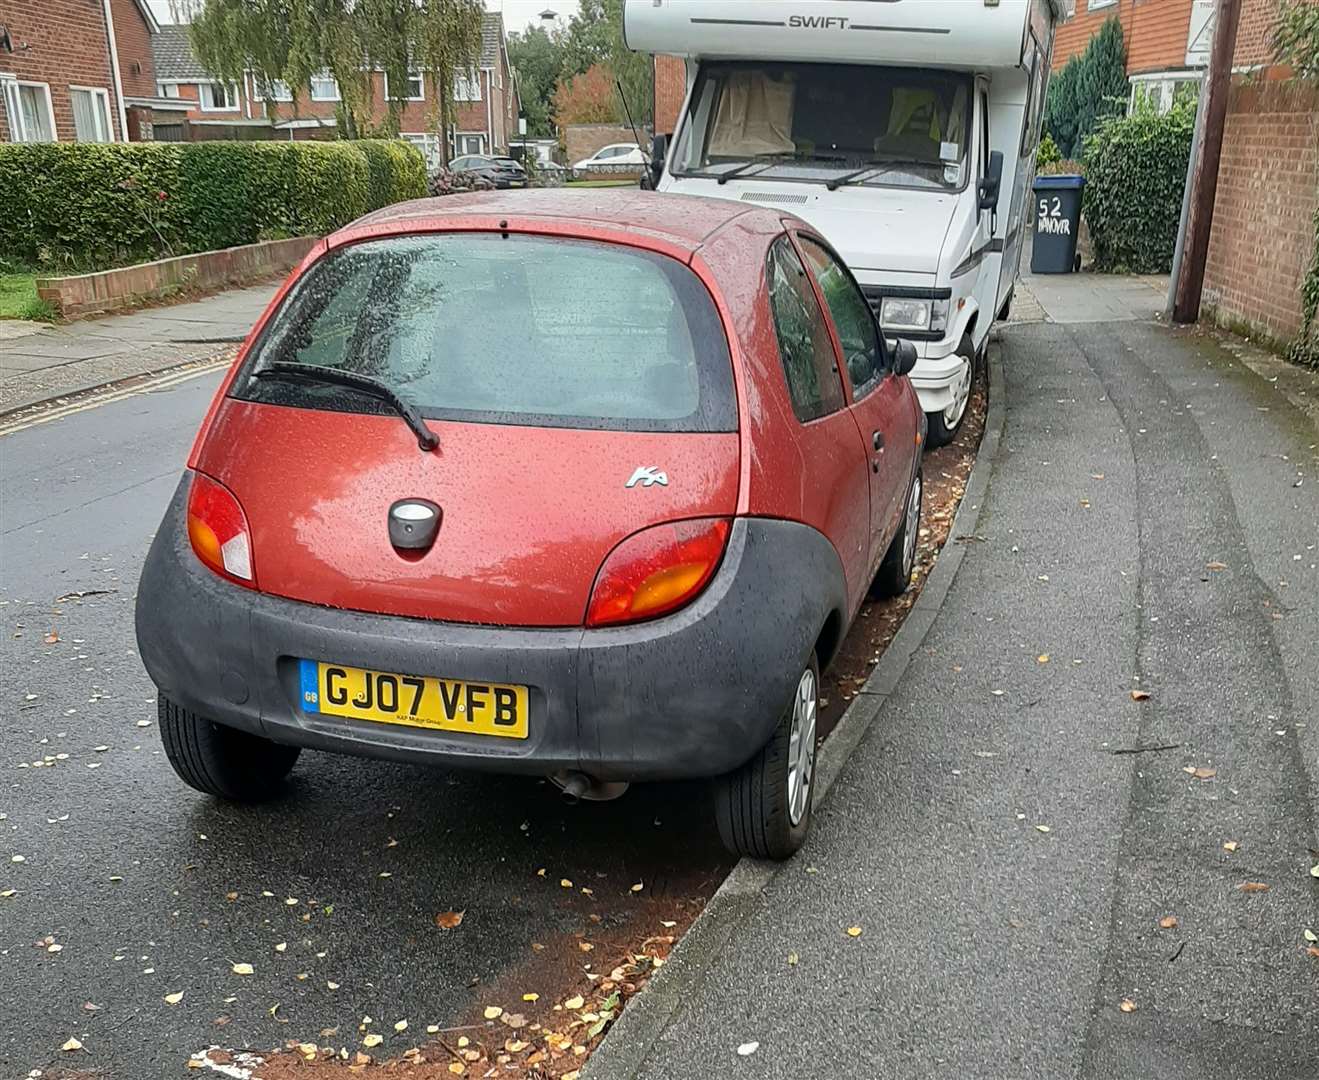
x=502, y=172
x=512, y=169
x=618, y=155
x=583, y=486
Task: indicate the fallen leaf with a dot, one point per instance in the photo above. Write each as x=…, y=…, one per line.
x=1310, y=936
x=51, y=638
x=854, y=931
x=585, y=946
x=72, y=1044
x=668, y=924
x=566, y=883
x=173, y=999
x=1253, y=886
x=1312, y=951
x=463, y=1040
x=1140, y=695
x=1043, y=658
x=447, y=920
x=1230, y=845
x=1168, y=922
x=638, y=886
x=1314, y=870
x=242, y=969
x=1042, y=828
x=1215, y=566
x=332, y=985
x=747, y=1049
x=1201, y=773
x=574, y=1075
x=372, y=1039
x=1127, y=1005
x=493, y=1012
x=574, y=1002
x=530, y=997
x=516, y=1046
x=792, y=959
x=53, y=947
x=402, y=1025
x=513, y=1020
x=281, y=946
x=457, y=1068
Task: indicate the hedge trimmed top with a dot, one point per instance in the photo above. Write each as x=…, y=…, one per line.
x=93, y=206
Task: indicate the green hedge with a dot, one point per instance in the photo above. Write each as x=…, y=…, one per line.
x=1135, y=169
x=91, y=206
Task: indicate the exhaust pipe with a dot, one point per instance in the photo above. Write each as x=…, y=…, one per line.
x=576, y=786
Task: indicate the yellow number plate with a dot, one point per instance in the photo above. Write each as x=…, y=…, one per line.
x=413, y=701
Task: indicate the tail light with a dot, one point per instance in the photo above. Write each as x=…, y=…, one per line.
x=217, y=528
x=657, y=570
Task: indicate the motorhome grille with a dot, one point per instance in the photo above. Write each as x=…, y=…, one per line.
x=874, y=297
x=773, y=197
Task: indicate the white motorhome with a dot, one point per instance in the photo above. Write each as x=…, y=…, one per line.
x=903, y=130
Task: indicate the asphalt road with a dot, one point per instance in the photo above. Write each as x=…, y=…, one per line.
x=150, y=889
x=1036, y=885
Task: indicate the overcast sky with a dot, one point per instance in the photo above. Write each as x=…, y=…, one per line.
x=517, y=13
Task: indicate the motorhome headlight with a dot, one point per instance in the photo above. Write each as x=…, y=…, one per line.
x=903, y=313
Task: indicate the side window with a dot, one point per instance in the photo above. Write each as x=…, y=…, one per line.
x=984, y=132
x=804, y=345
x=853, y=319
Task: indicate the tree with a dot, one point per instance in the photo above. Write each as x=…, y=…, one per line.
x=539, y=58
x=289, y=41
x=588, y=98
x=1088, y=89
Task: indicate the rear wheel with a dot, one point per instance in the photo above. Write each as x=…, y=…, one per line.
x=894, y=575
x=943, y=426
x=219, y=760
x=764, y=808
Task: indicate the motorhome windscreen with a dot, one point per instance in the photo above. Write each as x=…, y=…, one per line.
x=828, y=123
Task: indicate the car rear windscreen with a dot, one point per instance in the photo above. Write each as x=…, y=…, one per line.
x=513, y=329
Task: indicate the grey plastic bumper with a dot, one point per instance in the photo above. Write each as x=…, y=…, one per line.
x=693, y=694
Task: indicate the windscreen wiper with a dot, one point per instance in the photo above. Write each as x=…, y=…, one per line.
x=871, y=166
x=759, y=159
x=364, y=384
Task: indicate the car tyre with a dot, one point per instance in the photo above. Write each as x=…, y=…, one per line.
x=222, y=761
x=894, y=577
x=763, y=809
x=943, y=426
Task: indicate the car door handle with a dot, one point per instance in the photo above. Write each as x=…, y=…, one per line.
x=877, y=440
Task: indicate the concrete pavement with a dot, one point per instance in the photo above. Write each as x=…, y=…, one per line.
x=1014, y=825
x=40, y=362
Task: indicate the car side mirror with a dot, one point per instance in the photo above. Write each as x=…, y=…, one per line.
x=659, y=151
x=992, y=182
x=904, y=357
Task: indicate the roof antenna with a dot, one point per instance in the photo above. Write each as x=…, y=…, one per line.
x=623, y=98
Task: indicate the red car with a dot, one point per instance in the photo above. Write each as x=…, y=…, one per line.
x=586, y=485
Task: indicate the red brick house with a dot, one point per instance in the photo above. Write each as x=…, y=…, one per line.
x=77, y=70
x=486, y=102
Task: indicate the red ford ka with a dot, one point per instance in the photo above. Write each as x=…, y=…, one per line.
x=585, y=485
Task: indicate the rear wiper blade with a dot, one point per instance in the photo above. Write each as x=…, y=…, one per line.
x=872, y=166
x=426, y=439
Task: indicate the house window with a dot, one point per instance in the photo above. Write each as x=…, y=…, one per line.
x=91, y=114
x=31, y=116
x=279, y=90
x=1095, y=5
x=414, y=91
x=324, y=87
x=467, y=87
x=217, y=97
x=169, y=89
x=468, y=144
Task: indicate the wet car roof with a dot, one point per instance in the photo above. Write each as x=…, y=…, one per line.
x=685, y=220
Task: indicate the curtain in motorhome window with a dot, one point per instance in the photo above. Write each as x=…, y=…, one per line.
x=754, y=116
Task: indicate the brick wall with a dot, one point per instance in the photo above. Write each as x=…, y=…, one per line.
x=1257, y=17
x=670, y=92
x=1268, y=186
x=59, y=42
x=1156, y=32
x=137, y=69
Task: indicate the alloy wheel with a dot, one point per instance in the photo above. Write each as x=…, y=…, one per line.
x=801, y=747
